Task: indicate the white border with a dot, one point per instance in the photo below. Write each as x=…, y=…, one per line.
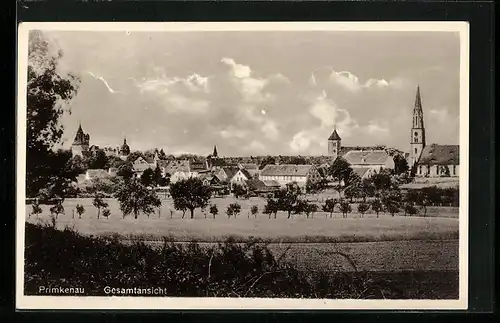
x=135, y=302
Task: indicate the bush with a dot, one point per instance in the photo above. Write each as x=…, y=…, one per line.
x=67, y=259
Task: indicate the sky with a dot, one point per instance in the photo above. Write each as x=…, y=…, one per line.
x=259, y=93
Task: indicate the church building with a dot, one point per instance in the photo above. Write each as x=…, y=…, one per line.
x=430, y=160
x=80, y=146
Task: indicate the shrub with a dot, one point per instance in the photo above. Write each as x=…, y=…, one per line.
x=233, y=209
x=362, y=208
x=67, y=259
x=214, y=210
x=254, y=210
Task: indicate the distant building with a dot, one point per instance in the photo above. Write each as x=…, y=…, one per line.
x=241, y=177
x=439, y=161
x=434, y=160
x=284, y=174
x=91, y=174
x=252, y=169
x=124, y=150
x=367, y=163
x=334, y=144
x=227, y=173
x=80, y=146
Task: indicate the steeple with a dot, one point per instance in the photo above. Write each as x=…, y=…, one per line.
x=417, y=135
x=214, y=154
x=418, y=113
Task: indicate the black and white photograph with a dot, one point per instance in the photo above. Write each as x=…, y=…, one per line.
x=242, y=165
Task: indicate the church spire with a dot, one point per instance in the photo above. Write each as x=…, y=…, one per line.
x=214, y=154
x=418, y=113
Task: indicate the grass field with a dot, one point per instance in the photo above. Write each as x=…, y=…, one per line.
x=298, y=229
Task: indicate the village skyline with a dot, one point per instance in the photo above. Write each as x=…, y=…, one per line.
x=284, y=102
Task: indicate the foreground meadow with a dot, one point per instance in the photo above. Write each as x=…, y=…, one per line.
x=321, y=228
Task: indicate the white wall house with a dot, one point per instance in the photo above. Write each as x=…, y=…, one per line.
x=284, y=174
x=439, y=161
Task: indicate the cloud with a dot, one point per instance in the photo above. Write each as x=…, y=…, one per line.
x=270, y=129
x=179, y=103
x=251, y=87
x=239, y=70
x=352, y=83
x=232, y=132
x=374, y=128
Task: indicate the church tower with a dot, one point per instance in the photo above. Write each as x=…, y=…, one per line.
x=215, y=154
x=334, y=144
x=417, y=139
x=80, y=146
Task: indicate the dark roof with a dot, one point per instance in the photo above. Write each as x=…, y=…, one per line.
x=440, y=155
x=81, y=137
x=197, y=166
x=230, y=171
x=249, y=166
x=361, y=171
x=246, y=173
x=361, y=157
x=286, y=170
x=334, y=135
x=176, y=166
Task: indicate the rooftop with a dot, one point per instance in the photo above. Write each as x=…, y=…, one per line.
x=286, y=170
x=440, y=155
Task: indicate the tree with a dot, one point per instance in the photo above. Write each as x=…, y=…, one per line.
x=340, y=171
x=329, y=206
x=421, y=200
x=125, y=171
x=147, y=177
x=345, y=208
x=254, y=210
x=400, y=164
x=268, y=160
x=310, y=209
x=162, y=155
x=381, y=181
x=362, y=208
x=288, y=197
x=233, y=209
x=98, y=160
x=57, y=209
x=410, y=208
x=190, y=194
x=158, y=177
x=271, y=207
x=35, y=209
x=377, y=206
x=99, y=203
x=214, y=210
x=106, y=213
x=238, y=190
x=48, y=93
x=79, y=165
x=135, y=198
x=392, y=201
x=80, y=210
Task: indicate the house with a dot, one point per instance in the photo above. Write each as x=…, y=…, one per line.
x=252, y=169
x=285, y=174
x=241, y=177
x=366, y=163
x=262, y=187
x=181, y=169
x=96, y=173
x=141, y=164
x=227, y=173
x=439, y=161
x=210, y=179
